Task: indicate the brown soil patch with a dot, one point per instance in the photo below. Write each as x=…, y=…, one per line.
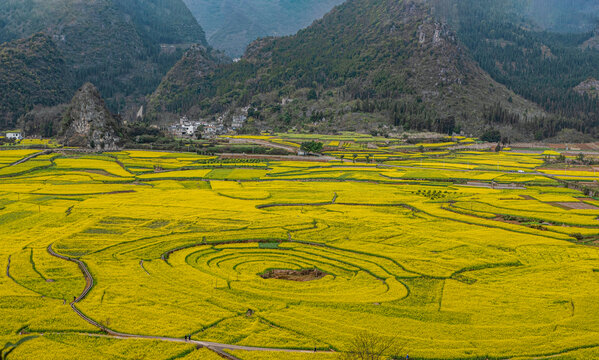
x=527, y=197
x=575, y=205
x=294, y=275
x=588, y=169
x=502, y=219
x=575, y=147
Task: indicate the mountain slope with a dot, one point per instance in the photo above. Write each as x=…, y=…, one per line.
x=367, y=64
x=544, y=67
x=32, y=71
x=564, y=16
x=185, y=79
x=124, y=47
x=232, y=24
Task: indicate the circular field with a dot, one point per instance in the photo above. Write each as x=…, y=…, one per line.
x=342, y=276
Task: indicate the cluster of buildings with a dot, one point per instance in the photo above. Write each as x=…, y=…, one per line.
x=207, y=129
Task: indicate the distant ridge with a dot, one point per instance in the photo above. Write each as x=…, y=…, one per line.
x=118, y=45
x=366, y=65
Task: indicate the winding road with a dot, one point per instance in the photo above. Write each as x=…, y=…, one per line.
x=218, y=348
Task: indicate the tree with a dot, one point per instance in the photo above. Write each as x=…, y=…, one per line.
x=492, y=135
x=370, y=346
x=199, y=131
x=312, y=146
x=580, y=157
x=355, y=156
x=561, y=158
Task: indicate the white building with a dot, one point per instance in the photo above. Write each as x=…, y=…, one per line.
x=189, y=129
x=238, y=122
x=14, y=135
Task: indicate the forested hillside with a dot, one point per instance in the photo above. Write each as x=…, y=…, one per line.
x=541, y=66
x=565, y=15
x=232, y=24
x=32, y=71
x=181, y=86
x=367, y=65
x=123, y=47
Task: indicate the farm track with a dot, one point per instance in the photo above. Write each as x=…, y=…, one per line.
x=8, y=268
x=218, y=348
x=89, y=280
x=141, y=264
x=25, y=159
x=332, y=202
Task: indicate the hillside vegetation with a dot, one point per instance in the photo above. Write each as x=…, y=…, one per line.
x=32, y=71
x=117, y=45
x=543, y=67
x=366, y=65
x=564, y=16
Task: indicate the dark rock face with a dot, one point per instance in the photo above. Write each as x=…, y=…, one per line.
x=88, y=123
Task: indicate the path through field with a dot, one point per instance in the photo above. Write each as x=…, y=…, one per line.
x=469, y=261
x=218, y=348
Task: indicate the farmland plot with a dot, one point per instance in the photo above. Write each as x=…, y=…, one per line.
x=295, y=256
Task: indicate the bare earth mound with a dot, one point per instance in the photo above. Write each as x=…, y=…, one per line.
x=294, y=275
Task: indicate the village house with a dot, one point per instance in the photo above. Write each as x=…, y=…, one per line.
x=14, y=135
x=238, y=122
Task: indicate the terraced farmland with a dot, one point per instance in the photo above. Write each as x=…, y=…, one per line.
x=456, y=255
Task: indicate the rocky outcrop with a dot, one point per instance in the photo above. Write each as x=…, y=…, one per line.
x=88, y=123
x=592, y=43
x=589, y=87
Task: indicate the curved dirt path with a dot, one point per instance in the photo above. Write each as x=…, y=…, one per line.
x=27, y=158
x=8, y=268
x=89, y=280
x=218, y=348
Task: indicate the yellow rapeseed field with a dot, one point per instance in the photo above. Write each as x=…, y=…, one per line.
x=455, y=256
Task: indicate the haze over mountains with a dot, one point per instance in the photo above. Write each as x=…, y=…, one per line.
x=565, y=15
x=525, y=67
x=231, y=25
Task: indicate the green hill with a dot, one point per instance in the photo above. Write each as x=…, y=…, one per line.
x=542, y=66
x=367, y=65
x=185, y=80
x=32, y=71
x=123, y=47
